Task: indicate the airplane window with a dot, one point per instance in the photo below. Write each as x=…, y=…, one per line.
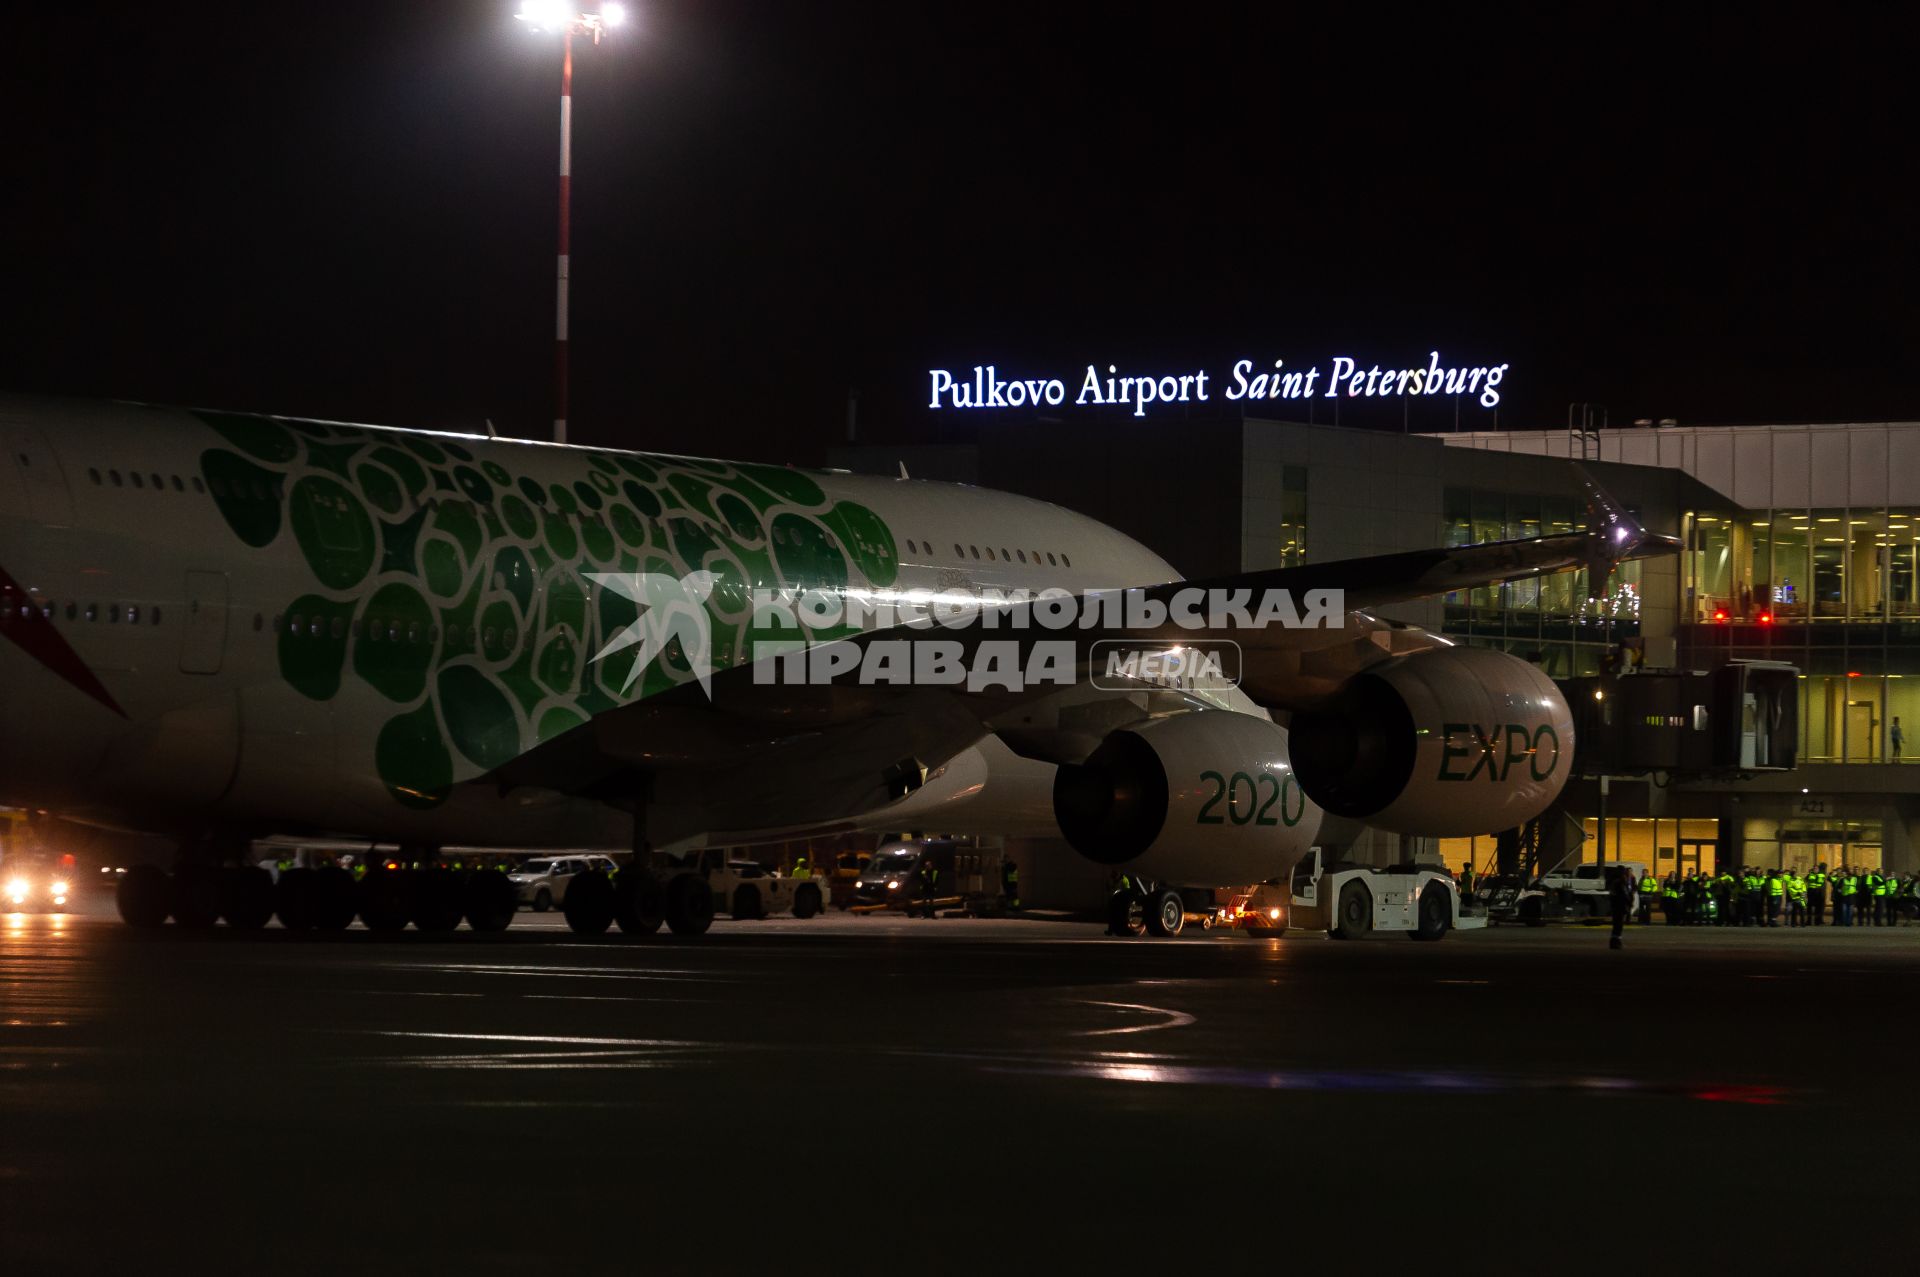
x=133, y=615
x=177, y=485
x=489, y=635
x=93, y=475
x=199, y=486
x=113, y=613
x=276, y=620
x=298, y=623
x=156, y=614
x=975, y=549
x=1004, y=556
x=1050, y=561
x=910, y=547
x=115, y=476
x=159, y=484
x=258, y=621
x=316, y=625
x=135, y=476
x=1065, y=560
x=339, y=628
x=958, y=553
x=71, y=609
x=990, y=554
x=413, y=632
x=1022, y=554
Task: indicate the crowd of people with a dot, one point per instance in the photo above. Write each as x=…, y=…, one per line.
x=1748, y=896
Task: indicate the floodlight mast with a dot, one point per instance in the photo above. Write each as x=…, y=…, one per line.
x=560, y=15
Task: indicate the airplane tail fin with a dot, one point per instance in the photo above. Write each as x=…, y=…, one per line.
x=1613, y=533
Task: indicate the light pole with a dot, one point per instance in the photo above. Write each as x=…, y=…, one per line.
x=560, y=15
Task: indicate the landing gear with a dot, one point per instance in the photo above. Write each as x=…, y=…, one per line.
x=639, y=902
x=689, y=905
x=436, y=900
x=589, y=905
x=490, y=901
x=332, y=902
x=245, y=897
x=196, y=897
x=145, y=896
x=386, y=900
x=1166, y=913
x=1126, y=913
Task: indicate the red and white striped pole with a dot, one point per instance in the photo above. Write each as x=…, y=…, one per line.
x=560, y=298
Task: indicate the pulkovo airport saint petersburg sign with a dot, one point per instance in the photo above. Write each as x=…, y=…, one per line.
x=983, y=386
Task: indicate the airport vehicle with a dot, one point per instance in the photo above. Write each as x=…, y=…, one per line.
x=747, y=890
x=542, y=882
x=229, y=626
x=1558, y=895
x=1352, y=901
x=889, y=877
x=30, y=884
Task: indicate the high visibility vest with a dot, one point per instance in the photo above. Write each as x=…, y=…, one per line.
x=1848, y=885
x=1776, y=887
x=1672, y=891
x=1649, y=885
x=1816, y=880
x=1877, y=884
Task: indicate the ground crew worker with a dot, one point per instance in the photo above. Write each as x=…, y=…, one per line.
x=1817, y=894
x=1670, y=900
x=1123, y=886
x=1723, y=898
x=800, y=869
x=1844, y=888
x=1873, y=896
x=1776, y=896
x=1796, y=899
x=929, y=881
x=1466, y=883
x=1649, y=892
x=1620, y=889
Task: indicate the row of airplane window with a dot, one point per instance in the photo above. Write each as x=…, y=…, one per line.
x=1006, y=556
x=135, y=479
x=110, y=613
x=387, y=630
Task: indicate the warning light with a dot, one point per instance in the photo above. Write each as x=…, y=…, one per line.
x=1853, y=673
x=1766, y=618
x=1719, y=616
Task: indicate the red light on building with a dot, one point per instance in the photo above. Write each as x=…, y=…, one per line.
x=1719, y=616
x=1766, y=618
x=1853, y=673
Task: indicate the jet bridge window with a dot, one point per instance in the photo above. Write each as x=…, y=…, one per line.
x=94, y=475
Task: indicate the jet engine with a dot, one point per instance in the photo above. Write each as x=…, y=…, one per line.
x=1447, y=743
x=1204, y=798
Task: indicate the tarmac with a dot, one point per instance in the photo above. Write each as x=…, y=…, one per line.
x=879, y=1093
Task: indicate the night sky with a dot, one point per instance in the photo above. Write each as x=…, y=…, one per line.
x=347, y=210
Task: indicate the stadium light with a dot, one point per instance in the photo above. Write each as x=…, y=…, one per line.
x=563, y=17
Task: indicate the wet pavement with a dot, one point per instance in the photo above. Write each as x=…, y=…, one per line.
x=889, y=1094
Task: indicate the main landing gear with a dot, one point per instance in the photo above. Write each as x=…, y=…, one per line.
x=1143, y=907
x=245, y=898
x=639, y=902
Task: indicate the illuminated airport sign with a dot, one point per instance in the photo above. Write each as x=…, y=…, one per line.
x=1246, y=382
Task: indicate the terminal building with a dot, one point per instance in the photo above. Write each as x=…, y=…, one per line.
x=1800, y=547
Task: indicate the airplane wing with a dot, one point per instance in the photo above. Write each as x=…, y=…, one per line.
x=844, y=724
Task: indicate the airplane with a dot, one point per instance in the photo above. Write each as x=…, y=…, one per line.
x=222, y=626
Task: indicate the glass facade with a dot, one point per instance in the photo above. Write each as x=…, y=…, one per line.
x=1548, y=621
x=1293, y=516
x=1829, y=589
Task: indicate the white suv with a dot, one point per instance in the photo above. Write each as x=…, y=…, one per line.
x=542, y=882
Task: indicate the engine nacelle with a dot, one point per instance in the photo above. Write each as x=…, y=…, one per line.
x=1206, y=798
x=1448, y=743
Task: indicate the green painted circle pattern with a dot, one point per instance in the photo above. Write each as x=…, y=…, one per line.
x=451, y=588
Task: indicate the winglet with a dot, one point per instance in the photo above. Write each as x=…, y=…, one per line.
x=1613, y=534
x=903, y=471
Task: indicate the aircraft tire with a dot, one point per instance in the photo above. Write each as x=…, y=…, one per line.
x=293, y=899
x=490, y=902
x=689, y=905
x=385, y=900
x=196, y=897
x=746, y=903
x=144, y=896
x=332, y=904
x=1435, y=913
x=589, y=904
x=1166, y=913
x=437, y=900
x=806, y=902
x=639, y=905
x=1354, y=917
x=1126, y=916
x=246, y=897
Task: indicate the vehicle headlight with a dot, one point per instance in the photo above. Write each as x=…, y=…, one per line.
x=859, y=883
x=17, y=888
x=1274, y=912
x=59, y=888
x=893, y=886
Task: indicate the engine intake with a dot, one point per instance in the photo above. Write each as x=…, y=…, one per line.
x=1445, y=743
x=1206, y=798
